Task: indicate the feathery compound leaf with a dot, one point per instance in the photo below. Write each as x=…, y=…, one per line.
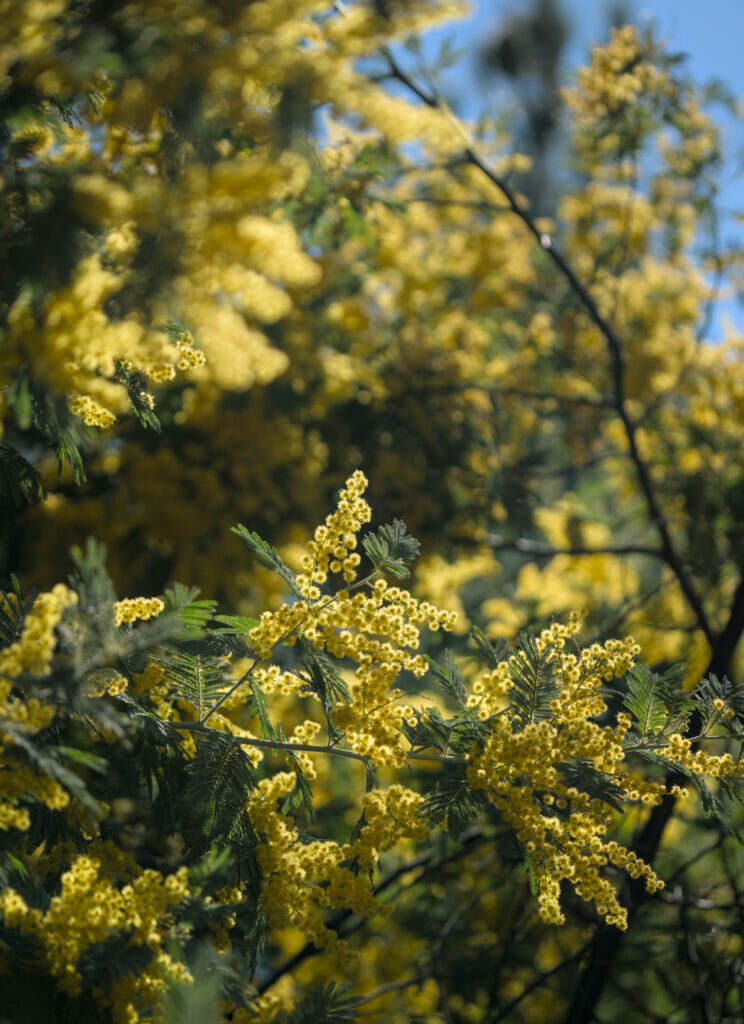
x=645, y=702
x=260, y=707
x=492, y=655
x=714, y=807
x=534, y=684
x=48, y=759
x=713, y=689
x=324, y=680
x=432, y=732
x=453, y=799
x=450, y=679
x=194, y=615
x=326, y=1005
x=391, y=549
x=92, y=583
x=220, y=777
x=268, y=556
x=326, y=683
x=142, y=401
x=587, y=779
x=19, y=480
x=13, y=610
x=196, y=678
x=113, y=958
x=302, y=794
x=236, y=625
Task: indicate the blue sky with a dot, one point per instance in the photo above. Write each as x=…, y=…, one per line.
x=709, y=32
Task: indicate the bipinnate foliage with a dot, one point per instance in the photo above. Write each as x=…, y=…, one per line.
x=125, y=716
x=391, y=549
x=246, y=248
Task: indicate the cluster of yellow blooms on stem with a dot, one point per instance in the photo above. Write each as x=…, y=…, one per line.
x=32, y=653
x=562, y=828
x=132, y=609
x=518, y=758
x=377, y=630
x=87, y=910
x=239, y=264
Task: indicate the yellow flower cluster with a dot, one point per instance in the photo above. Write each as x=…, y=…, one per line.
x=304, y=879
x=90, y=412
x=33, y=650
x=333, y=543
x=378, y=631
x=106, y=681
x=32, y=653
x=561, y=827
x=699, y=761
x=619, y=73
x=291, y=869
x=88, y=909
x=239, y=262
x=133, y=608
x=390, y=815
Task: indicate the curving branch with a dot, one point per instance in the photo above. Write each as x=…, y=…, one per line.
x=614, y=349
x=607, y=940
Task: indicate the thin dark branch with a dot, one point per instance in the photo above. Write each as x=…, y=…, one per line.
x=607, y=940
x=336, y=922
x=391, y=986
x=646, y=845
x=614, y=349
x=539, y=550
x=540, y=980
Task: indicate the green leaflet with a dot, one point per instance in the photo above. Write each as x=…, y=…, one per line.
x=268, y=556
x=534, y=683
x=199, y=679
x=391, y=549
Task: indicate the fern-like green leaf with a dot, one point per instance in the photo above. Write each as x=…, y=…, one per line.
x=713, y=689
x=260, y=707
x=13, y=611
x=453, y=799
x=220, y=778
x=327, y=1005
x=268, y=556
x=199, y=679
x=49, y=760
x=302, y=794
x=534, y=684
x=491, y=654
x=450, y=679
x=391, y=549
x=135, y=384
x=113, y=958
x=645, y=701
x=19, y=480
x=193, y=614
x=236, y=625
x=714, y=807
x=588, y=779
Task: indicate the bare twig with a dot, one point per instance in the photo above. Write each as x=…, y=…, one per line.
x=313, y=748
x=539, y=550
